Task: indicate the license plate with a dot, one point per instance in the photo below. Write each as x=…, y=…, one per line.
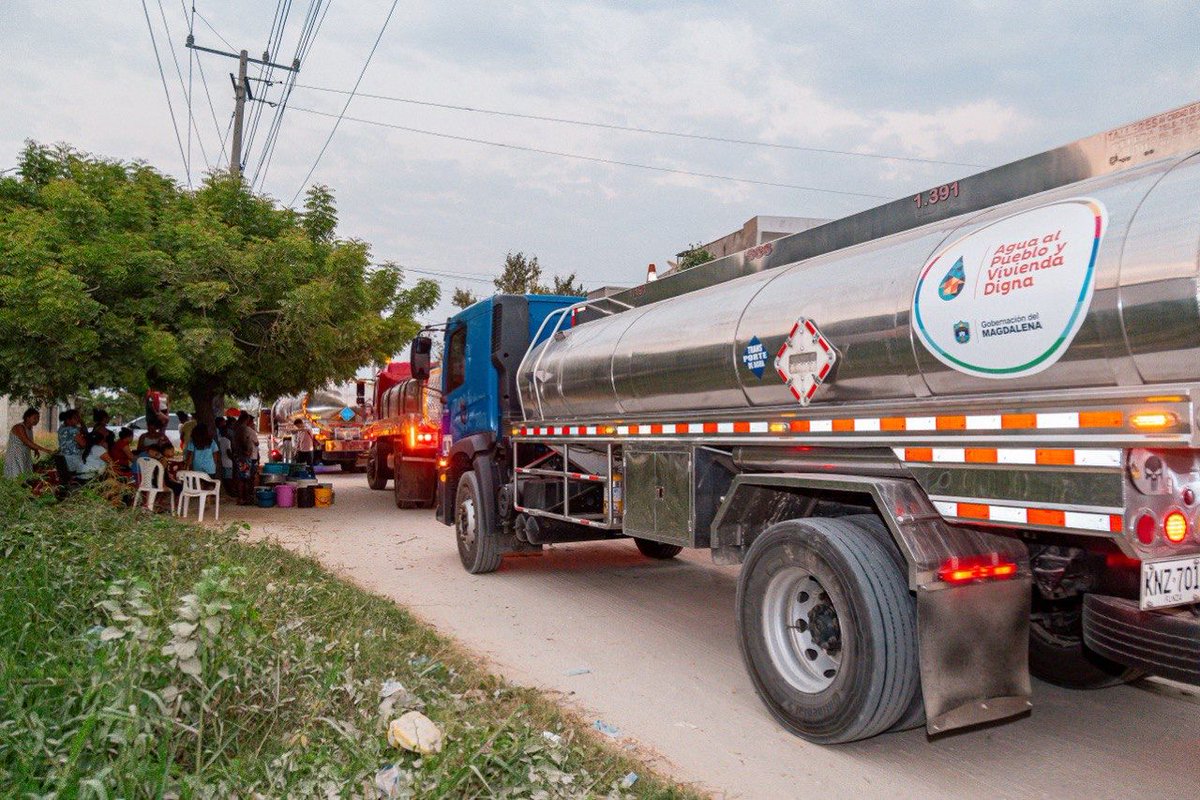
x=1175, y=582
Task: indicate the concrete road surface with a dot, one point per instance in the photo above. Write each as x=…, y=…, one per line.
x=659, y=644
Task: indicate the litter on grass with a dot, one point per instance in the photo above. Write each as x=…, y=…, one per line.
x=607, y=729
x=415, y=731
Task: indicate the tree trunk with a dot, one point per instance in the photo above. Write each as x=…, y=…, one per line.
x=203, y=396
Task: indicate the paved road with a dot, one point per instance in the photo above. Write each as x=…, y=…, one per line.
x=660, y=643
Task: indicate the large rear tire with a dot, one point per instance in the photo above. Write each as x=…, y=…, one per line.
x=478, y=547
x=658, y=550
x=377, y=471
x=914, y=715
x=827, y=630
x=1057, y=653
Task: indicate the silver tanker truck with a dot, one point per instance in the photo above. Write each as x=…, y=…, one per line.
x=950, y=440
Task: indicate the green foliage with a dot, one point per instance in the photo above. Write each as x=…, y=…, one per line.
x=694, y=257
x=111, y=275
x=523, y=275
x=144, y=657
x=463, y=298
x=567, y=286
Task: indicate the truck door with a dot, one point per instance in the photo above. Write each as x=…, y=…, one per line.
x=470, y=378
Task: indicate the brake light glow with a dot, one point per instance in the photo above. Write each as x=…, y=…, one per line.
x=959, y=571
x=1175, y=527
x=1153, y=420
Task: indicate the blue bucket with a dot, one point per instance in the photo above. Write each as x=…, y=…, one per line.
x=265, y=496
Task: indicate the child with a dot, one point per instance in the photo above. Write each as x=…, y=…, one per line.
x=171, y=465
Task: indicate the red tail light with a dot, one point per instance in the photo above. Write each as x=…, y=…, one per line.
x=957, y=570
x=1146, y=526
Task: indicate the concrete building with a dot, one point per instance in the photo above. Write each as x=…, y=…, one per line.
x=758, y=230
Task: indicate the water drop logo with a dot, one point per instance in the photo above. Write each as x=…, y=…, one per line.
x=954, y=281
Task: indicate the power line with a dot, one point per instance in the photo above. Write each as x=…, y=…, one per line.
x=187, y=93
x=594, y=159
x=635, y=129
x=163, y=76
x=215, y=32
x=336, y=124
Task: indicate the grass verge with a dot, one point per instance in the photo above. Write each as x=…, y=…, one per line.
x=145, y=657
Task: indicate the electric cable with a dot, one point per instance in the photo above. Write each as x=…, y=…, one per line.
x=163, y=76
x=338, y=122
x=637, y=129
x=594, y=159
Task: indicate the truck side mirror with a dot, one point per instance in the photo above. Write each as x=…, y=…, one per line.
x=420, y=356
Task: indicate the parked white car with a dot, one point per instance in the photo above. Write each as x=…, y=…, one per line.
x=139, y=427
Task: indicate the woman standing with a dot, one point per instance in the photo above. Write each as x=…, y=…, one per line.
x=202, y=454
x=18, y=456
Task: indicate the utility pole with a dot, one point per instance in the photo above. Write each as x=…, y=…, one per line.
x=241, y=93
x=240, y=90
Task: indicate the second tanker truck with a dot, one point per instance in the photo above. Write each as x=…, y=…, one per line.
x=950, y=440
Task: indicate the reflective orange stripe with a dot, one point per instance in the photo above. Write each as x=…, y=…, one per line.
x=951, y=423
x=1014, y=421
x=1059, y=458
x=973, y=510
x=1101, y=419
x=741, y=427
x=918, y=454
x=892, y=424
x=710, y=427
x=1115, y=523
x=1046, y=516
x=843, y=425
x=633, y=429
x=980, y=455
x=656, y=429
x=799, y=426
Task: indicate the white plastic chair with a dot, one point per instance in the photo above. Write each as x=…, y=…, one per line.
x=152, y=481
x=193, y=486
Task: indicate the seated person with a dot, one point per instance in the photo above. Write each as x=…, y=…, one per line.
x=202, y=453
x=121, y=453
x=172, y=465
x=96, y=460
x=154, y=437
x=71, y=439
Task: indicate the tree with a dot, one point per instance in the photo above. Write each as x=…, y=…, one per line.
x=567, y=285
x=112, y=275
x=693, y=257
x=463, y=298
x=520, y=275
x=523, y=275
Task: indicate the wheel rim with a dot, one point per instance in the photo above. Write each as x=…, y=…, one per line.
x=466, y=523
x=802, y=630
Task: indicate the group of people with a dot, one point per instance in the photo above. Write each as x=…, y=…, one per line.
x=227, y=454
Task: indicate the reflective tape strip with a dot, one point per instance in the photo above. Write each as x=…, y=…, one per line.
x=1046, y=457
x=1099, y=520
x=944, y=423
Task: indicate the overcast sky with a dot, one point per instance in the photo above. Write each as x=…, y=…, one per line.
x=977, y=82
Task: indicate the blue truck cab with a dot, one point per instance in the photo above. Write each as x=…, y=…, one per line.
x=483, y=347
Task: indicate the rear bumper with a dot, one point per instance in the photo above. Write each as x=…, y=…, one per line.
x=1164, y=643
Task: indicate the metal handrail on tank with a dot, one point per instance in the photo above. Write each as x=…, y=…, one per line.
x=561, y=313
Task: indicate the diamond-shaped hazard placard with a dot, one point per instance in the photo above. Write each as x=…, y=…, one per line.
x=805, y=360
x=346, y=414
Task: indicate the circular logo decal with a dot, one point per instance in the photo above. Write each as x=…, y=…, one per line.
x=1007, y=299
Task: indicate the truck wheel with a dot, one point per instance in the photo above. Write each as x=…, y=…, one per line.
x=653, y=549
x=914, y=715
x=478, y=549
x=1057, y=653
x=377, y=472
x=827, y=630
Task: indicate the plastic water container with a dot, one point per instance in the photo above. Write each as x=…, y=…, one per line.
x=323, y=496
x=306, y=497
x=265, y=496
x=285, y=495
x=275, y=468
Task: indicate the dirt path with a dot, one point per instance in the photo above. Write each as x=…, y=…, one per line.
x=658, y=644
